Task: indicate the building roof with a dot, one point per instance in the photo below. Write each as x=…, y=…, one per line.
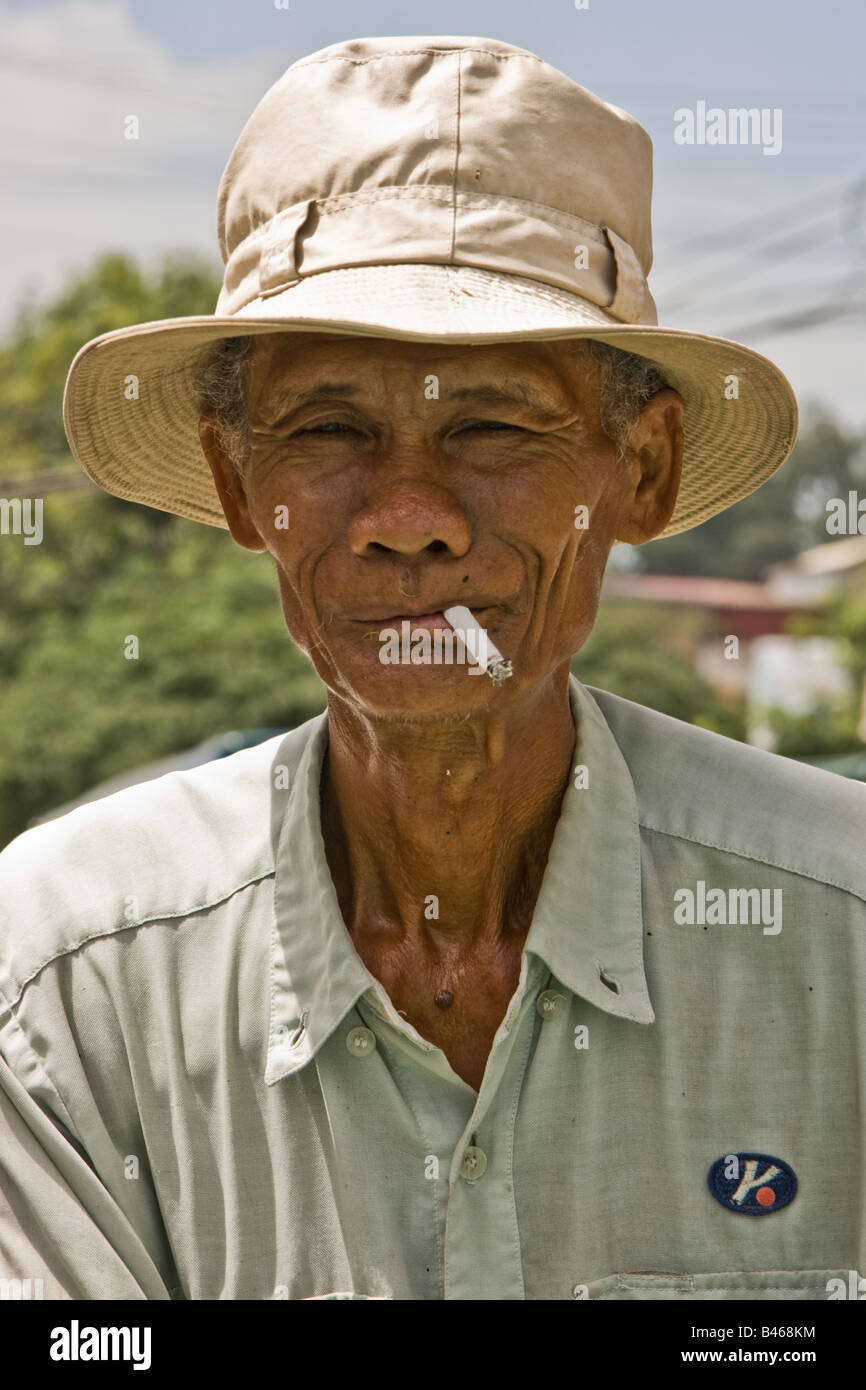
x=700, y=591
x=847, y=553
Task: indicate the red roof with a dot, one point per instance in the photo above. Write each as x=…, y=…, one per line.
x=699, y=591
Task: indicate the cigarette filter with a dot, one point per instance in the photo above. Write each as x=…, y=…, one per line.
x=483, y=652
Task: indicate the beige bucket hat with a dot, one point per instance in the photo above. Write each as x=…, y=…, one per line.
x=435, y=189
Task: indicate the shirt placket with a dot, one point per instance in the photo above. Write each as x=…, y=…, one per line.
x=470, y=1142
x=482, y=1256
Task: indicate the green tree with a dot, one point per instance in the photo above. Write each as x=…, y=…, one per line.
x=43, y=341
x=643, y=652
x=214, y=653
x=211, y=653
x=786, y=515
x=833, y=726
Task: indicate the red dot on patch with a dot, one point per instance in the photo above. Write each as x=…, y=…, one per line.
x=766, y=1196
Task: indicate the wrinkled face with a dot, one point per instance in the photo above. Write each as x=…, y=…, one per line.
x=391, y=480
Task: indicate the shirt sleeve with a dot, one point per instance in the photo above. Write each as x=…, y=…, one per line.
x=58, y=1223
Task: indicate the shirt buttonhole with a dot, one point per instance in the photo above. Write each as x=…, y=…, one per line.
x=299, y=1031
x=609, y=981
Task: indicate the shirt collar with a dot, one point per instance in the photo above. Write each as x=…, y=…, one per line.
x=588, y=921
x=587, y=925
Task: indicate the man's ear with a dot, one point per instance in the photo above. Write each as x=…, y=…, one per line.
x=654, y=449
x=229, y=486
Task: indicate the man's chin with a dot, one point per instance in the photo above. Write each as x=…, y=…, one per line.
x=423, y=693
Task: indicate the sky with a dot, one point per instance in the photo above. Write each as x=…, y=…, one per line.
x=768, y=249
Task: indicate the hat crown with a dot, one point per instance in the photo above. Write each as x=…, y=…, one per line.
x=453, y=150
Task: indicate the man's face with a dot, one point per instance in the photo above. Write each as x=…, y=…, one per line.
x=391, y=480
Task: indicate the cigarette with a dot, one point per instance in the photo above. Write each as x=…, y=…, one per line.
x=482, y=651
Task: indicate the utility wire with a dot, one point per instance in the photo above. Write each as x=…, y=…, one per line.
x=750, y=225
x=782, y=247
x=722, y=282
x=810, y=317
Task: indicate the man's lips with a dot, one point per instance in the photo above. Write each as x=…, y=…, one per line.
x=432, y=618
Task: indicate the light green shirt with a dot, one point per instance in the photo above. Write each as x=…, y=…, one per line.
x=206, y=1095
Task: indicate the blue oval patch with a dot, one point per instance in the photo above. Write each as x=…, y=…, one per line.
x=755, y=1184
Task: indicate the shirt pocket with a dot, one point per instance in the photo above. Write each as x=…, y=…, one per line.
x=753, y=1284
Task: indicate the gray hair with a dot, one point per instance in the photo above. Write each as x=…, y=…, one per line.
x=220, y=380
x=627, y=383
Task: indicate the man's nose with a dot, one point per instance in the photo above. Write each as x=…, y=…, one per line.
x=410, y=516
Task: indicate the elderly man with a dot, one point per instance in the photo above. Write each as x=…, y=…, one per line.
x=468, y=988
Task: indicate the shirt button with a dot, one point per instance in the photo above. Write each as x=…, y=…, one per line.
x=474, y=1163
x=361, y=1042
x=550, y=1003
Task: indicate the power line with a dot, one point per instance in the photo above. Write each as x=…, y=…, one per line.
x=809, y=317
x=729, y=299
x=756, y=224
x=678, y=296
x=784, y=246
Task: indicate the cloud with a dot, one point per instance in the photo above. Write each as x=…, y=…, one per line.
x=75, y=187
x=70, y=76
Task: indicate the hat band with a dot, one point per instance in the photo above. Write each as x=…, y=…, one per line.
x=439, y=225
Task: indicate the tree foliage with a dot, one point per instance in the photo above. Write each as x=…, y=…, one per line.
x=784, y=516
x=213, y=651
x=641, y=652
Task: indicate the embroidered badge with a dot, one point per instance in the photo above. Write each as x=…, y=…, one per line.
x=755, y=1184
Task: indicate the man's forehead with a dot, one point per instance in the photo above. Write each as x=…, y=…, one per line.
x=296, y=364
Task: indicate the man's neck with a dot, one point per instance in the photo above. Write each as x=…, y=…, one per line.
x=437, y=835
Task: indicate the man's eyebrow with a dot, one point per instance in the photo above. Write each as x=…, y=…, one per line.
x=510, y=392
x=322, y=391
x=507, y=390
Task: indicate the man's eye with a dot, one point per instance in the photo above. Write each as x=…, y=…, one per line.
x=332, y=427
x=329, y=427
x=491, y=425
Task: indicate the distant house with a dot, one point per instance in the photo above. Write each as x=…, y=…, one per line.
x=732, y=608
x=815, y=573
x=765, y=665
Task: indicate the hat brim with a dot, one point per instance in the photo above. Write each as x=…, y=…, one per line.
x=144, y=446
